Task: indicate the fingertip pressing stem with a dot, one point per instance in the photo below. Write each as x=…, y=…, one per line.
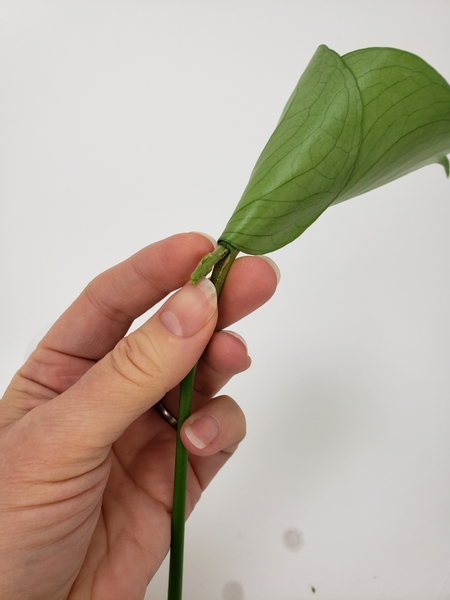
x=221, y=260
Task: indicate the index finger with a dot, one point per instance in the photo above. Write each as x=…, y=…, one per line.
x=106, y=308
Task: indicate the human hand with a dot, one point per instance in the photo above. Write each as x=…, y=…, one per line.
x=87, y=464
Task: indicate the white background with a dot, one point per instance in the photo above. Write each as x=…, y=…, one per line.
x=124, y=122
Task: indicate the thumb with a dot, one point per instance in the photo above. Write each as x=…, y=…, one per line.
x=140, y=369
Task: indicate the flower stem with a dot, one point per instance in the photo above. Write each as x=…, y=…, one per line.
x=221, y=269
x=179, y=493
x=224, y=258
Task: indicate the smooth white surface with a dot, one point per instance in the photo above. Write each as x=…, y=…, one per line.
x=124, y=122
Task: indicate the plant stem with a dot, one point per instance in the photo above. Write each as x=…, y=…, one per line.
x=225, y=258
x=221, y=269
x=179, y=493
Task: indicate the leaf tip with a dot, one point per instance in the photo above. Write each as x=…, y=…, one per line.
x=445, y=163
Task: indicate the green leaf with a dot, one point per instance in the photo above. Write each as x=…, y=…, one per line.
x=352, y=124
x=406, y=121
x=306, y=162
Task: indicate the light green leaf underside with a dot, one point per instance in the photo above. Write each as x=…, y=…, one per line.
x=352, y=124
x=406, y=122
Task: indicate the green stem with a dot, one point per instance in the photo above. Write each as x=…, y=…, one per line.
x=222, y=267
x=225, y=258
x=179, y=493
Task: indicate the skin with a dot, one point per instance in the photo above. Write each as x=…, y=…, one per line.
x=87, y=464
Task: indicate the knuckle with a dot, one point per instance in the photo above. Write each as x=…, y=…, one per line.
x=138, y=358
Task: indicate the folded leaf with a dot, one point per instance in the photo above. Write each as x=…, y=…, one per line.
x=406, y=122
x=352, y=124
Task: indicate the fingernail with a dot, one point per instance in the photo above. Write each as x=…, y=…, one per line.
x=238, y=337
x=203, y=431
x=189, y=309
x=274, y=267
